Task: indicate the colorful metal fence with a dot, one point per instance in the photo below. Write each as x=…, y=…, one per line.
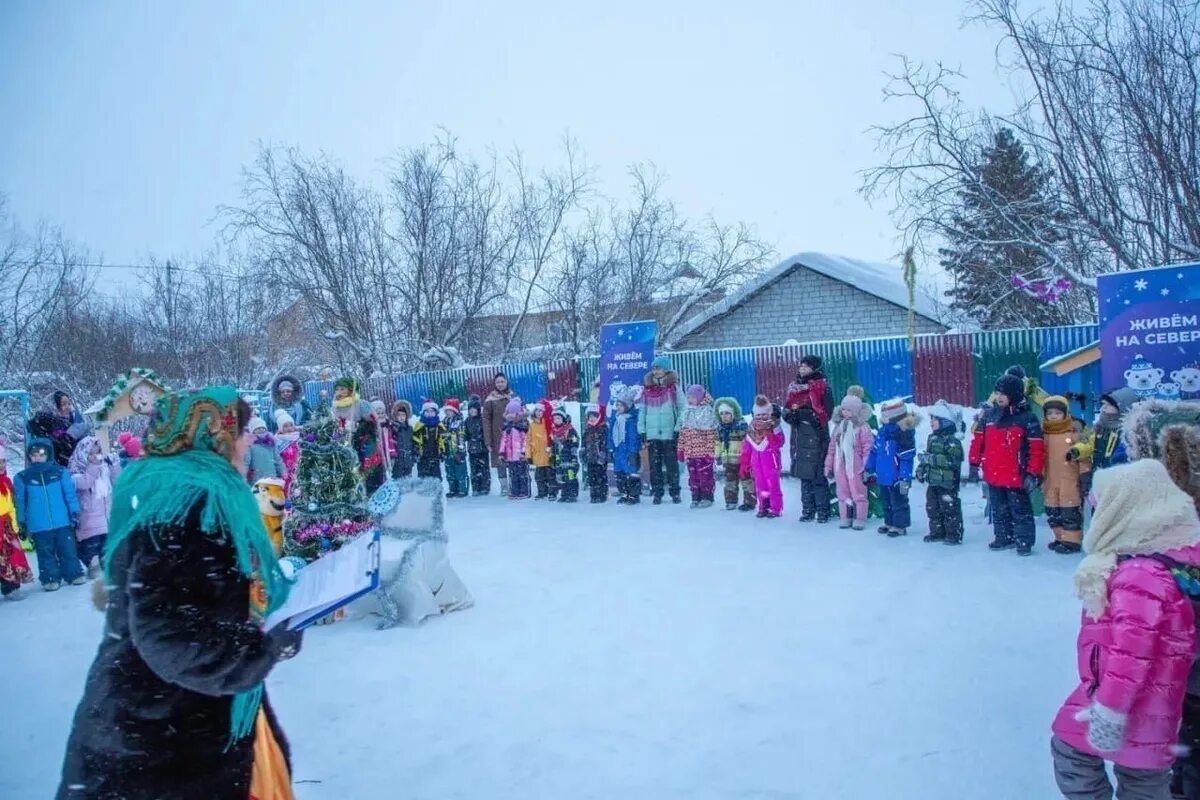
x=960, y=368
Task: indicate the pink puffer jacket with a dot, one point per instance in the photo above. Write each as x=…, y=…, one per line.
x=1135, y=660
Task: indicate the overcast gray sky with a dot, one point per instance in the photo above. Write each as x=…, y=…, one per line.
x=128, y=123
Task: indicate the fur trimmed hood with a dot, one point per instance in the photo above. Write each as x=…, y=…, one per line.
x=669, y=378
x=1181, y=457
x=1138, y=512
x=732, y=404
x=1145, y=422
x=860, y=412
x=297, y=389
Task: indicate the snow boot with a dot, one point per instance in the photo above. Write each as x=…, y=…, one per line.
x=844, y=524
x=1024, y=550
x=657, y=500
x=895, y=533
x=821, y=520
x=1068, y=548
x=730, y=506
x=952, y=540
x=52, y=586
x=807, y=517
x=763, y=511
x=676, y=499
x=1001, y=544
x=80, y=581
x=695, y=504
x=15, y=596
x=883, y=528
x=859, y=526
x=705, y=503
x=746, y=507
x=934, y=537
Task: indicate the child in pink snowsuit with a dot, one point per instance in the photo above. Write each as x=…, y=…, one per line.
x=849, y=445
x=761, y=457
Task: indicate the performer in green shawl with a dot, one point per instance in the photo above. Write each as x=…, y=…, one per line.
x=176, y=690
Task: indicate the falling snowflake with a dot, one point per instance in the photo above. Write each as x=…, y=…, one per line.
x=1126, y=302
x=1140, y=284
x=1165, y=292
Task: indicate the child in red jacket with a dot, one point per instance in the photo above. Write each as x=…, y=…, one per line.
x=1008, y=447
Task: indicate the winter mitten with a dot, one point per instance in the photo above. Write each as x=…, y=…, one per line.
x=1106, y=728
x=283, y=643
x=1073, y=453
x=1031, y=483
x=903, y=487
x=922, y=473
x=868, y=478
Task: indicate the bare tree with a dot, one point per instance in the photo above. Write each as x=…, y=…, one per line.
x=318, y=235
x=1116, y=105
x=540, y=214
x=1113, y=110
x=41, y=277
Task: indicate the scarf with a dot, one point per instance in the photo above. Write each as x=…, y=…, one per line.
x=618, y=431
x=1139, y=511
x=1061, y=426
x=846, y=436
x=188, y=447
x=559, y=432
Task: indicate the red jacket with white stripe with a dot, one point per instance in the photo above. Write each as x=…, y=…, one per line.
x=1008, y=446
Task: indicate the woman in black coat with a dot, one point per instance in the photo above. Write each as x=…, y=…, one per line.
x=174, y=701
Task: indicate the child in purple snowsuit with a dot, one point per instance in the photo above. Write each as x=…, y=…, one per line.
x=512, y=449
x=762, y=457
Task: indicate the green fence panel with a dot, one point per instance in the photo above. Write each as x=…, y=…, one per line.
x=839, y=362
x=995, y=351
x=588, y=373
x=448, y=383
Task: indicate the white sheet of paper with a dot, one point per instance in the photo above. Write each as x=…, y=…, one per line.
x=333, y=578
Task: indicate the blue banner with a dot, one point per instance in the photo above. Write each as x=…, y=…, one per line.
x=1150, y=331
x=626, y=350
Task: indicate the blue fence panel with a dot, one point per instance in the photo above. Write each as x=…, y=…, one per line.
x=413, y=387
x=1086, y=381
x=313, y=389
x=885, y=367
x=731, y=373
x=527, y=380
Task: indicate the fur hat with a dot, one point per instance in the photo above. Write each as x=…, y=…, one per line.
x=452, y=404
x=892, y=410
x=255, y=423
x=1122, y=399
x=561, y=411
x=377, y=407
x=812, y=361
x=625, y=396
x=282, y=417
x=1011, y=387
x=474, y=402
x=942, y=410
x=852, y=404
x=1056, y=402
x=428, y=407
x=854, y=390
x=697, y=393
x=1017, y=371
x=762, y=407
x=514, y=407
x=724, y=404
x=348, y=383
x=1138, y=510
x=662, y=362
x=1181, y=457
x=402, y=405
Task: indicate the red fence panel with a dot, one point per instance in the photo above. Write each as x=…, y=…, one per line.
x=562, y=379
x=943, y=369
x=480, y=380
x=775, y=367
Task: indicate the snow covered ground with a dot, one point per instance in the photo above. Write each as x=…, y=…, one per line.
x=654, y=652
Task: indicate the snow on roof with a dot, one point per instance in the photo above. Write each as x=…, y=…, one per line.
x=885, y=281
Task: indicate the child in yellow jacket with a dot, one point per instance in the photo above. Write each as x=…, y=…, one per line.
x=539, y=451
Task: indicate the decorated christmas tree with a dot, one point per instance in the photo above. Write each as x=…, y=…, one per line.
x=328, y=498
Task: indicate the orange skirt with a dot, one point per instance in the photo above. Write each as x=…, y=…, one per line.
x=270, y=779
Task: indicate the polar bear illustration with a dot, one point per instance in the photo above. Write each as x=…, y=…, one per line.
x=1188, y=378
x=1143, y=377
x=1167, y=391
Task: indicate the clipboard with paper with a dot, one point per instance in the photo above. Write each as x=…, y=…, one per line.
x=331, y=582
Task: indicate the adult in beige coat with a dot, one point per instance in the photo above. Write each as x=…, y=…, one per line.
x=493, y=425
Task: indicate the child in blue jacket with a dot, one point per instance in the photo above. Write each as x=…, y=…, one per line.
x=48, y=512
x=890, y=463
x=626, y=448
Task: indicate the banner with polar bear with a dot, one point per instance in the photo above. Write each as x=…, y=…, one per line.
x=626, y=350
x=1150, y=331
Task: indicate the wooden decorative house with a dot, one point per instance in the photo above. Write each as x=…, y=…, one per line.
x=134, y=394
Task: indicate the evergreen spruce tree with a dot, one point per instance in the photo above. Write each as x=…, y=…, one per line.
x=1008, y=225
x=328, y=497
